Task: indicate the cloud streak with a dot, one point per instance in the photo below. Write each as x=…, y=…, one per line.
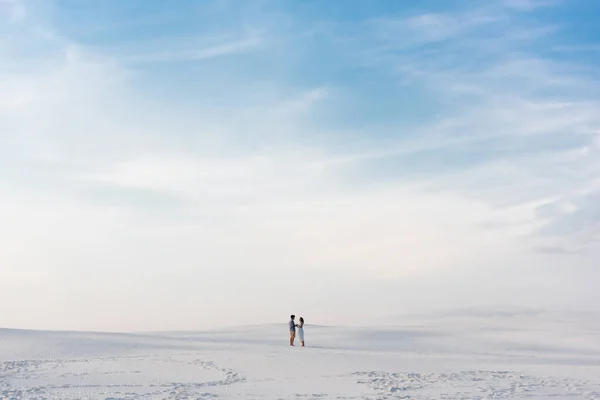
x=196, y=54
x=12, y=10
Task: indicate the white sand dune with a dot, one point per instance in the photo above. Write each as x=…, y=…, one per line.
x=466, y=356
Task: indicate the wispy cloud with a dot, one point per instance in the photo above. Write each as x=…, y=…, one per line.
x=12, y=10
x=574, y=48
x=524, y=126
x=529, y=5
x=196, y=54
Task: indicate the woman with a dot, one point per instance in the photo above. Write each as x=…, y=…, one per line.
x=301, y=330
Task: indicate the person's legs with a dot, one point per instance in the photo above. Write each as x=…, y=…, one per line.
x=292, y=337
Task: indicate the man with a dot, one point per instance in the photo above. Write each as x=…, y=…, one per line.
x=292, y=326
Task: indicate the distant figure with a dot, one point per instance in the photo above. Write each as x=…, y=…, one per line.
x=301, y=330
x=292, y=327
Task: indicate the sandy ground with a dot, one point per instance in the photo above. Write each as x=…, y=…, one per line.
x=440, y=357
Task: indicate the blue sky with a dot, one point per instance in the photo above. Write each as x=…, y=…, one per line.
x=208, y=163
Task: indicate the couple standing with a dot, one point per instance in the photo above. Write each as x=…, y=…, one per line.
x=293, y=326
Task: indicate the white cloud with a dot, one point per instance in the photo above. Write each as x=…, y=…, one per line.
x=528, y=5
x=12, y=10
x=239, y=46
x=578, y=48
x=529, y=120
